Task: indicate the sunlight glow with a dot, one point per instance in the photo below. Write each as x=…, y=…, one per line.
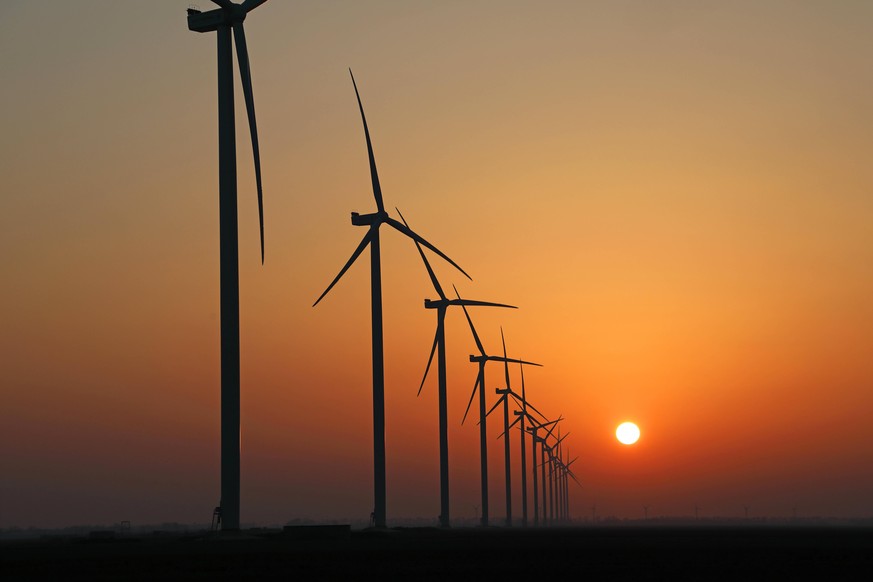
x=627, y=433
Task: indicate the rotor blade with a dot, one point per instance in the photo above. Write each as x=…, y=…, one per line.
x=250, y=5
x=474, y=303
x=374, y=175
x=505, y=363
x=417, y=237
x=470, y=321
x=574, y=478
x=524, y=405
x=515, y=361
x=496, y=404
x=473, y=394
x=226, y=4
x=433, y=278
x=433, y=348
x=532, y=407
x=364, y=242
x=523, y=397
x=548, y=434
x=514, y=422
x=245, y=74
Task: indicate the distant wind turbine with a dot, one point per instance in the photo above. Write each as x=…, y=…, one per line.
x=533, y=429
x=505, y=393
x=374, y=221
x=544, y=450
x=520, y=416
x=439, y=345
x=222, y=20
x=552, y=460
x=479, y=385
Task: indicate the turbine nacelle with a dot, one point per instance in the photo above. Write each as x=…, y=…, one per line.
x=210, y=21
x=359, y=219
x=228, y=13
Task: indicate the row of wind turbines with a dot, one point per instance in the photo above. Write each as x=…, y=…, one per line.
x=227, y=22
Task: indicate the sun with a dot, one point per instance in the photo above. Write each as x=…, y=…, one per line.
x=627, y=433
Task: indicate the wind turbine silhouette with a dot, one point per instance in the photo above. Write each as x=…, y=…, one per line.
x=543, y=447
x=565, y=472
x=553, y=489
x=481, y=359
x=504, y=399
x=374, y=221
x=439, y=345
x=227, y=17
x=536, y=426
x=520, y=415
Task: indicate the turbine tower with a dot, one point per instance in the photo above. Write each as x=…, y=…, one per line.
x=441, y=305
x=229, y=17
x=373, y=222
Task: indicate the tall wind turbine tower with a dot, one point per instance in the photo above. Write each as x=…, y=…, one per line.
x=229, y=17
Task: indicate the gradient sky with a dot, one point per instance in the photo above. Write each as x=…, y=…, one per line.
x=677, y=195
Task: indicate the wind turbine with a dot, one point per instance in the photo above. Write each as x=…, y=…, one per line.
x=373, y=222
x=504, y=399
x=521, y=400
x=227, y=17
x=536, y=426
x=439, y=345
x=521, y=416
x=543, y=449
x=567, y=472
x=481, y=359
x=553, y=490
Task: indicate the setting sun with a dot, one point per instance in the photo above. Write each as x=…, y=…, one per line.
x=627, y=433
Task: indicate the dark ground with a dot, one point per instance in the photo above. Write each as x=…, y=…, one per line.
x=622, y=553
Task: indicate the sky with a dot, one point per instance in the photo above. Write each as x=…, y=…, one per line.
x=678, y=196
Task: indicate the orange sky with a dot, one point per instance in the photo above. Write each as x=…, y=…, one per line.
x=677, y=197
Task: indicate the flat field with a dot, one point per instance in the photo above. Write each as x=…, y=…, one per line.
x=620, y=553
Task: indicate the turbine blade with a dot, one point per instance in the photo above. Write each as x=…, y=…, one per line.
x=361, y=246
x=496, y=404
x=226, y=4
x=516, y=361
x=408, y=232
x=523, y=398
x=374, y=175
x=433, y=348
x=472, y=395
x=514, y=422
x=245, y=73
x=250, y=5
x=474, y=303
x=433, y=278
x=532, y=407
x=505, y=362
x=472, y=328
